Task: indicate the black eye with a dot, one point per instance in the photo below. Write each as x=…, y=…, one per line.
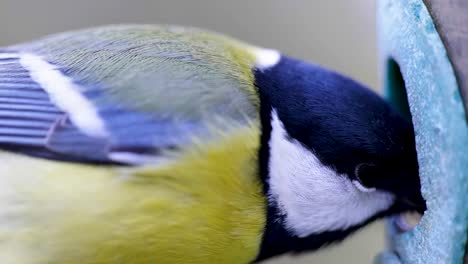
x=366, y=175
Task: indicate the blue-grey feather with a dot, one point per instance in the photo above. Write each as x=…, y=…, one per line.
x=25, y=123
x=32, y=132
x=29, y=115
x=12, y=68
x=8, y=141
x=23, y=80
x=152, y=91
x=21, y=93
x=29, y=119
x=25, y=101
x=7, y=76
x=29, y=107
x=70, y=143
x=26, y=112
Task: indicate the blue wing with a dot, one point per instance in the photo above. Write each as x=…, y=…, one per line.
x=144, y=113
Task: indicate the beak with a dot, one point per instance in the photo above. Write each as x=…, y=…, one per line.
x=413, y=209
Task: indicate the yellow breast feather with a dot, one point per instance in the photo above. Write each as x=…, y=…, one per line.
x=205, y=207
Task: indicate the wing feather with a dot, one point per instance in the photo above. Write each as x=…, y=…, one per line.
x=152, y=94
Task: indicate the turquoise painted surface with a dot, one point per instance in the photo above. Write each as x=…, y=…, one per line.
x=407, y=35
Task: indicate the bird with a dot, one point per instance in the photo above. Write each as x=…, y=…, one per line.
x=172, y=144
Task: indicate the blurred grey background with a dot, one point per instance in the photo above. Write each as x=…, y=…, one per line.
x=339, y=34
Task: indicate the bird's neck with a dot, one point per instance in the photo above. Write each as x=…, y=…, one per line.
x=277, y=239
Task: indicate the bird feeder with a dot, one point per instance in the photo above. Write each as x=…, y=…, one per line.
x=424, y=66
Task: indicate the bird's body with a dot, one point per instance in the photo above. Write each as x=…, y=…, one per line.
x=121, y=214
x=161, y=144
x=54, y=212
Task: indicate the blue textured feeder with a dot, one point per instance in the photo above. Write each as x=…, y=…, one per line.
x=427, y=63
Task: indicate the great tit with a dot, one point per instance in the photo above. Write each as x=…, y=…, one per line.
x=166, y=144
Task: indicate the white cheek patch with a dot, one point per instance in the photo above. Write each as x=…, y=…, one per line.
x=65, y=94
x=312, y=197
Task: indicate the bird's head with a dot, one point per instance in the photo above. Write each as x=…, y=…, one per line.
x=334, y=155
